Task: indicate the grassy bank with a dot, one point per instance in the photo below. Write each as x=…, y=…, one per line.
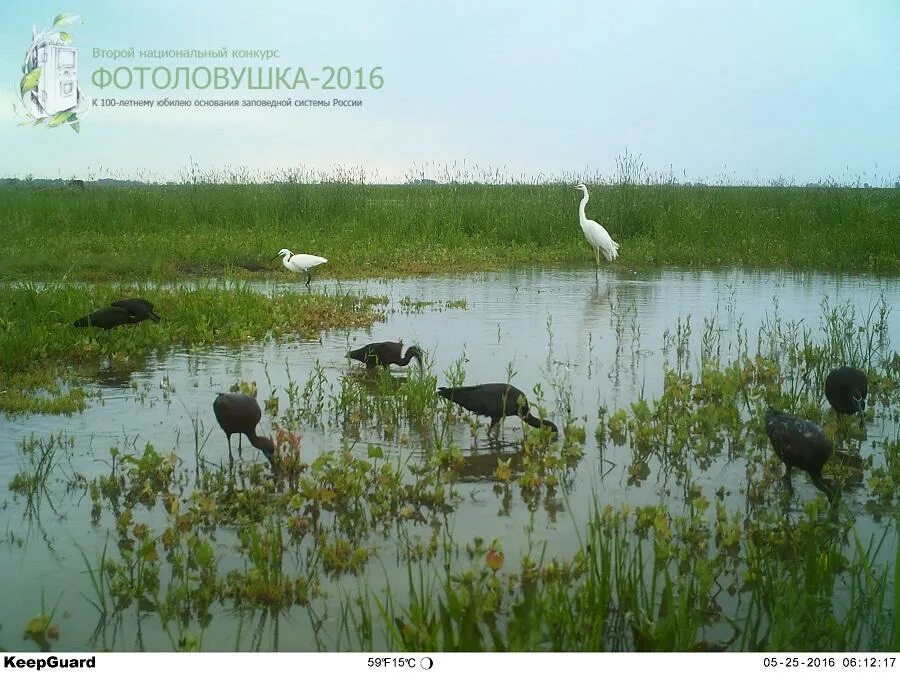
x=165, y=232
x=42, y=358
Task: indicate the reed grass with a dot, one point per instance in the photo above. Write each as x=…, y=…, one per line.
x=165, y=232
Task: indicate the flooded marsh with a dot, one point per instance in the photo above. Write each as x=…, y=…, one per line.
x=656, y=519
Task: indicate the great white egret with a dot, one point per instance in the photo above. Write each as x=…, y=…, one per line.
x=300, y=262
x=846, y=389
x=239, y=414
x=801, y=443
x=594, y=232
x=496, y=400
x=385, y=354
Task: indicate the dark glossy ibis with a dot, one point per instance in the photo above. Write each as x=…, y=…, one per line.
x=802, y=444
x=143, y=309
x=846, y=389
x=495, y=400
x=119, y=313
x=239, y=414
x=385, y=354
x=107, y=318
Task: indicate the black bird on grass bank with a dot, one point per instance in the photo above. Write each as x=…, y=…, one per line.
x=802, y=444
x=385, y=354
x=143, y=309
x=846, y=389
x=119, y=313
x=495, y=400
x=239, y=414
x=106, y=318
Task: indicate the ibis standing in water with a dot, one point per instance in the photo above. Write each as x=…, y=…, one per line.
x=385, y=354
x=300, y=262
x=496, y=400
x=595, y=233
x=119, y=313
x=801, y=443
x=846, y=389
x=239, y=414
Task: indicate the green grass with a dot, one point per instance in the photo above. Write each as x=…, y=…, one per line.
x=165, y=232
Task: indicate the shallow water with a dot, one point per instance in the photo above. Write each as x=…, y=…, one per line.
x=602, y=341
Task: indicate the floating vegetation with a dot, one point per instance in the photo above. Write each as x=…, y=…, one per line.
x=413, y=306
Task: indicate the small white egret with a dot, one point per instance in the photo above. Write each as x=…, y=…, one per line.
x=300, y=262
x=594, y=232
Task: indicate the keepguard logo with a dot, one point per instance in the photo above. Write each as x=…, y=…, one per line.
x=49, y=90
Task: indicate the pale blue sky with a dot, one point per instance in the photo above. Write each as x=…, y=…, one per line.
x=748, y=90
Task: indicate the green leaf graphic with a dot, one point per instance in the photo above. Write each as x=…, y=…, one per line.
x=60, y=118
x=30, y=81
x=65, y=20
x=65, y=37
x=76, y=126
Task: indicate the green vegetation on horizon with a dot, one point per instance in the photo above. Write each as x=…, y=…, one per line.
x=164, y=232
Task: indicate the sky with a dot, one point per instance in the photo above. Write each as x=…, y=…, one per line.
x=726, y=91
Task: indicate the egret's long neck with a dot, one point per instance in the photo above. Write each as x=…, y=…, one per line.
x=584, y=200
